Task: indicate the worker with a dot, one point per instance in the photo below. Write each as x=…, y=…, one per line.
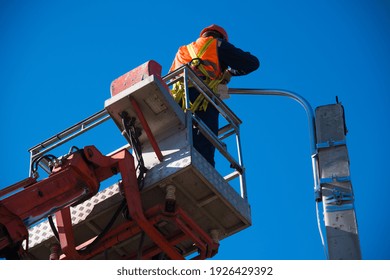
x=214, y=59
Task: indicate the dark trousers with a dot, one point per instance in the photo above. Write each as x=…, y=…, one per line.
x=210, y=118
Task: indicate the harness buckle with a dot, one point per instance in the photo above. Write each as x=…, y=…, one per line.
x=195, y=62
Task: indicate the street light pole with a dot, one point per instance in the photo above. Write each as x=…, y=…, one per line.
x=330, y=164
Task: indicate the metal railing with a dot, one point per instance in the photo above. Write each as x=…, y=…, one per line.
x=188, y=77
x=66, y=135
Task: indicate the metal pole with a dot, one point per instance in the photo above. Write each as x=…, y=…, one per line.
x=243, y=190
x=310, y=115
x=336, y=186
x=187, y=95
x=340, y=218
x=312, y=134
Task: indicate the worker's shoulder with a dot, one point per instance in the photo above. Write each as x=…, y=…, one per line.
x=225, y=45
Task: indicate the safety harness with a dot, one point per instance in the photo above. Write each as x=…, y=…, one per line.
x=178, y=90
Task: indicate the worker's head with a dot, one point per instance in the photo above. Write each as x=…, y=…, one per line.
x=214, y=31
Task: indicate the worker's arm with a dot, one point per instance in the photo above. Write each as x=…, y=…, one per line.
x=239, y=61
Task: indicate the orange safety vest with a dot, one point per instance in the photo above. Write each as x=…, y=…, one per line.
x=203, y=55
x=201, y=52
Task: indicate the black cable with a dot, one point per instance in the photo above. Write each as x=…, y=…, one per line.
x=107, y=227
x=53, y=228
x=140, y=245
x=35, y=162
x=133, y=134
x=50, y=158
x=73, y=149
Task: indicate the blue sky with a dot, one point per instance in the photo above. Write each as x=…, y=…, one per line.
x=58, y=59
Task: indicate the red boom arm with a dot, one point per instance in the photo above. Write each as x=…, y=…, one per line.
x=75, y=180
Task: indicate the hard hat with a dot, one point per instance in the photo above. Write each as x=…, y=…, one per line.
x=216, y=28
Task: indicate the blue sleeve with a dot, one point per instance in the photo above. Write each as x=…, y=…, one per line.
x=240, y=62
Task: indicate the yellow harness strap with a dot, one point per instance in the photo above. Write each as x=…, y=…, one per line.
x=196, y=58
x=200, y=103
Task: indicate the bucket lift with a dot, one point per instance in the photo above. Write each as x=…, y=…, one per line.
x=182, y=206
x=175, y=204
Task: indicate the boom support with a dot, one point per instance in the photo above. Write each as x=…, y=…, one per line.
x=76, y=178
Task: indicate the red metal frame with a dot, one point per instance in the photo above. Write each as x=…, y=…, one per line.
x=147, y=129
x=30, y=201
x=78, y=179
x=141, y=221
x=189, y=230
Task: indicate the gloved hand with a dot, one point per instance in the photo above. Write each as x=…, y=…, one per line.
x=226, y=77
x=223, y=91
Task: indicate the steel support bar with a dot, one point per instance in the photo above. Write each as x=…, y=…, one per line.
x=215, y=141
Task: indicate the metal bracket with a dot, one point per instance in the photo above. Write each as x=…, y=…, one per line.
x=336, y=201
x=333, y=179
x=331, y=143
x=335, y=208
x=337, y=197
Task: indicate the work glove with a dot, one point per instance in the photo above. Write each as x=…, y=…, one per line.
x=226, y=77
x=223, y=91
x=222, y=87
